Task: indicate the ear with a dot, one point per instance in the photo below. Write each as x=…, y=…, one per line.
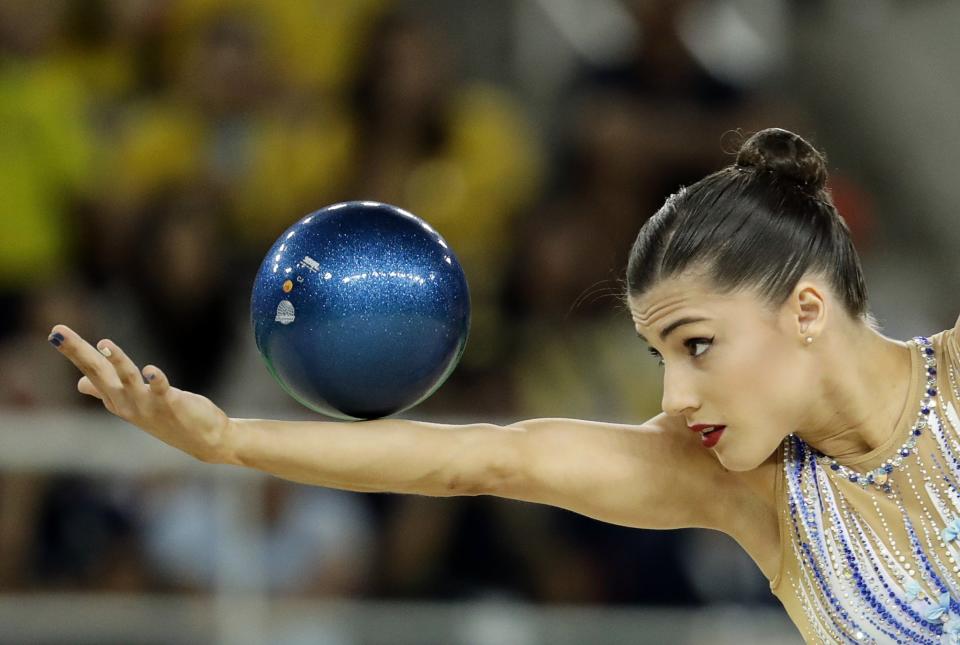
x=807, y=307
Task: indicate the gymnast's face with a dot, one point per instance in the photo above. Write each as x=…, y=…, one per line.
x=727, y=359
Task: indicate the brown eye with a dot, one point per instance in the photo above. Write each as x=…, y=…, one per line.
x=693, y=343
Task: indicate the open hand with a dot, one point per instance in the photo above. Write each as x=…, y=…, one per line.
x=187, y=421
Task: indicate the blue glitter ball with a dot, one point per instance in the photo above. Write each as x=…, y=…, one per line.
x=360, y=310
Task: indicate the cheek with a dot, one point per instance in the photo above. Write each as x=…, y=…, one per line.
x=745, y=370
x=765, y=379
x=783, y=387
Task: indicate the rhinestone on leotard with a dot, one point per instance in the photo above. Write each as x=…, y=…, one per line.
x=873, y=478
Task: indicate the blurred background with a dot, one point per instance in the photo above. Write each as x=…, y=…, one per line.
x=152, y=150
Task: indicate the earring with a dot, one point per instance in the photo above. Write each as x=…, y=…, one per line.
x=809, y=339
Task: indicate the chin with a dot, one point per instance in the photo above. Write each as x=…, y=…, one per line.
x=739, y=462
x=737, y=457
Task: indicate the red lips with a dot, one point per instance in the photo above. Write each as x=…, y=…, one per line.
x=710, y=434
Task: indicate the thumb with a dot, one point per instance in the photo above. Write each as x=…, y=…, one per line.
x=85, y=386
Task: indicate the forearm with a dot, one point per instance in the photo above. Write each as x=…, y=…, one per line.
x=385, y=455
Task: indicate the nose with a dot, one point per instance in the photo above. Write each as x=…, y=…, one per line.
x=679, y=398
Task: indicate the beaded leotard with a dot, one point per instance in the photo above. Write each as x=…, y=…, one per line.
x=871, y=547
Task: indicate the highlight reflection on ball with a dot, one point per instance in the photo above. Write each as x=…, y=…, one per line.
x=360, y=310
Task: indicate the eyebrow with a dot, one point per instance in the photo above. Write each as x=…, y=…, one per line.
x=669, y=328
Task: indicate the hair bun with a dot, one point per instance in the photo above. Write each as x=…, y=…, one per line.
x=786, y=154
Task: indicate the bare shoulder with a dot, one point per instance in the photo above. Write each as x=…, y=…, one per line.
x=655, y=475
x=729, y=492
x=759, y=483
x=750, y=511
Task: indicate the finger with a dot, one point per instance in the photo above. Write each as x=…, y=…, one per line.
x=126, y=370
x=159, y=384
x=88, y=360
x=84, y=386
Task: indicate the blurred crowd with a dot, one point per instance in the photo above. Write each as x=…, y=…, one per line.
x=151, y=151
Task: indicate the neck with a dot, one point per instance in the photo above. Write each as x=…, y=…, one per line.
x=862, y=390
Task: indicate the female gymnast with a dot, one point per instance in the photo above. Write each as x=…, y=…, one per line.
x=828, y=451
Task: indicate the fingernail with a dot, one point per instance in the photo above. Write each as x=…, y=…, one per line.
x=55, y=339
x=151, y=376
x=105, y=351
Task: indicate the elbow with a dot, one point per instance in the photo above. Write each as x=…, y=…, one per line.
x=496, y=472
x=457, y=485
x=494, y=480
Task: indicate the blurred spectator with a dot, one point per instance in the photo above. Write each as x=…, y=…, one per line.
x=477, y=547
x=315, y=541
x=227, y=117
x=485, y=547
x=31, y=376
x=181, y=273
x=86, y=537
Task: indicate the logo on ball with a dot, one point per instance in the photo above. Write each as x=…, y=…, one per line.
x=285, y=313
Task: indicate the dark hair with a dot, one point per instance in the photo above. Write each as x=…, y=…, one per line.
x=761, y=223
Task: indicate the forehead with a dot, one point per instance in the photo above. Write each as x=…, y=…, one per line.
x=674, y=298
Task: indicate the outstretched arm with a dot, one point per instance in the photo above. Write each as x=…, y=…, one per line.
x=377, y=456
x=653, y=475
